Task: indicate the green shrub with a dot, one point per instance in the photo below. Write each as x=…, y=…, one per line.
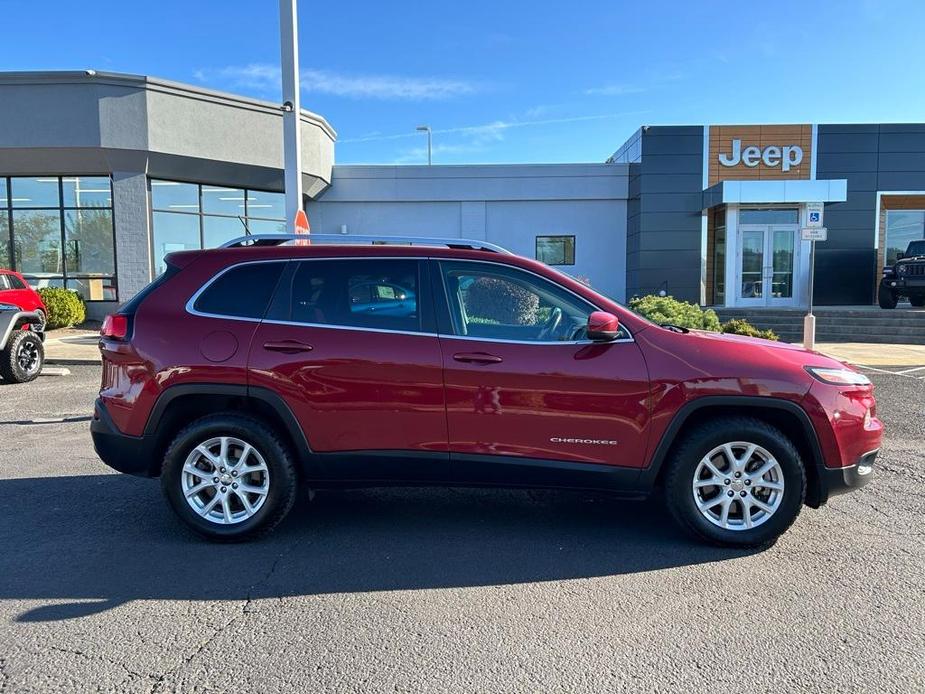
x=493, y=300
x=668, y=310
x=65, y=308
x=740, y=326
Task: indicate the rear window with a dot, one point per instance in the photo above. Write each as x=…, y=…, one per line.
x=15, y=282
x=364, y=293
x=241, y=292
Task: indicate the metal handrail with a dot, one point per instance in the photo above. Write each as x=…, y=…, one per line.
x=279, y=239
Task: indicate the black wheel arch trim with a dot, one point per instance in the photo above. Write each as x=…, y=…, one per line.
x=649, y=475
x=265, y=395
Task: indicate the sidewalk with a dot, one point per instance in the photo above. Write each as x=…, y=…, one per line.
x=72, y=346
x=869, y=354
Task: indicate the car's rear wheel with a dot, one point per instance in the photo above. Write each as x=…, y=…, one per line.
x=22, y=359
x=886, y=298
x=229, y=477
x=917, y=301
x=736, y=481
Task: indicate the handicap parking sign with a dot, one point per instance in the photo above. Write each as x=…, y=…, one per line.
x=814, y=217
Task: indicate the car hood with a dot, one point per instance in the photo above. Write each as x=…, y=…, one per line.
x=775, y=350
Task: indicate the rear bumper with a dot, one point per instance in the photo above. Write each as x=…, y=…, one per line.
x=846, y=479
x=133, y=455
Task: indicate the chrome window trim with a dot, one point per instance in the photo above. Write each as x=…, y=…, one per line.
x=190, y=305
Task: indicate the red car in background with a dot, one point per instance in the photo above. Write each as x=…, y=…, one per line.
x=15, y=290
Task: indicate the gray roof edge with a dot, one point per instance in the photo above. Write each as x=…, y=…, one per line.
x=147, y=82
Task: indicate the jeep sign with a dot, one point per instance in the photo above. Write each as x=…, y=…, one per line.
x=772, y=156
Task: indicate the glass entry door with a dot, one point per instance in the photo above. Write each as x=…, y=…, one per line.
x=767, y=264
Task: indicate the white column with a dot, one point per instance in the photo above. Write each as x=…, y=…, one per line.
x=292, y=134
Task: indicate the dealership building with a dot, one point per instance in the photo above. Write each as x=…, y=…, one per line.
x=103, y=174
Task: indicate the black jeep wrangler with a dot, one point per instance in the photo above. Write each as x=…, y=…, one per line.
x=906, y=277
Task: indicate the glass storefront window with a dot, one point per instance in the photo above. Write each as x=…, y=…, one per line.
x=62, y=233
x=178, y=197
x=37, y=242
x=226, y=201
x=719, y=263
x=86, y=191
x=174, y=232
x=6, y=262
x=4, y=198
x=266, y=226
x=34, y=192
x=217, y=230
x=769, y=215
x=188, y=216
x=88, y=241
x=267, y=205
x=902, y=226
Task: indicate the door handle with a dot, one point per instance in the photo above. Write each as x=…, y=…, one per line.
x=477, y=358
x=287, y=347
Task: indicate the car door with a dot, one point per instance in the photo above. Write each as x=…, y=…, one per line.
x=13, y=290
x=366, y=386
x=522, y=382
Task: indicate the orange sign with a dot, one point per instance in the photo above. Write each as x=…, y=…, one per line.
x=302, y=227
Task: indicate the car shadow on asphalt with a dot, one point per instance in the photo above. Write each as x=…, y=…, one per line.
x=89, y=543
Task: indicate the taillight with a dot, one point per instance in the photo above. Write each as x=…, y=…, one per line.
x=115, y=326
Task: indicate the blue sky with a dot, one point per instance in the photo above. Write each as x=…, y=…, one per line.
x=499, y=82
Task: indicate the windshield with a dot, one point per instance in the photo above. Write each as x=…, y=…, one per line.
x=916, y=248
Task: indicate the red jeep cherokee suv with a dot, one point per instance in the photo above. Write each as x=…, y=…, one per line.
x=245, y=371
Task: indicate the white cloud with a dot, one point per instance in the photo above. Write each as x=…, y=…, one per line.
x=614, y=90
x=266, y=78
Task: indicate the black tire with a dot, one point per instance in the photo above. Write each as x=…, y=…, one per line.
x=282, y=483
x=917, y=301
x=22, y=359
x=696, y=444
x=886, y=298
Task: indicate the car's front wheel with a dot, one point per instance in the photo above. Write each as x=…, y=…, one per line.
x=735, y=481
x=886, y=297
x=229, y=477
x=23, y=357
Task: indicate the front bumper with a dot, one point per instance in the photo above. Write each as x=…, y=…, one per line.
x=846, y=479
x=133, y=455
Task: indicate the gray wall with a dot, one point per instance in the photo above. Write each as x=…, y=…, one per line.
x=664, y=225
x=506, y=205
x=133, y=127
x=886, y=157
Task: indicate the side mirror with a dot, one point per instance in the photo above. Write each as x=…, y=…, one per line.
x=603, y=326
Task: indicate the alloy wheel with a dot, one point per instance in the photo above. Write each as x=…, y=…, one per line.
x=225, y=480
x=28, y=357
x=738, y=485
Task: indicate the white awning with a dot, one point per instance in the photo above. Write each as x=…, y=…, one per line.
x=750, y=192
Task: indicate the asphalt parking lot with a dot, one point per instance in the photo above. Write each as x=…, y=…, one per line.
x=434, y=590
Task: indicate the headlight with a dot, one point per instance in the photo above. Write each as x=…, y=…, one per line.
x=838, y=377
x=901, y=270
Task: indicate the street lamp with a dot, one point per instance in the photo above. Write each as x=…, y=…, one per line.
x=430, y=135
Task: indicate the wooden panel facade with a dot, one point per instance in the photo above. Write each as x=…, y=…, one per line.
x=761, y=136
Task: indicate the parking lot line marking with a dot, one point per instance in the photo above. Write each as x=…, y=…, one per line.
x=50, y=420
x=909, y=371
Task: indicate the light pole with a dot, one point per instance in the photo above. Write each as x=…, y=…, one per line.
x=292, y=136
x=430, y=143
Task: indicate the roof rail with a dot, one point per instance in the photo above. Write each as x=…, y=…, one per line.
x=345, y=239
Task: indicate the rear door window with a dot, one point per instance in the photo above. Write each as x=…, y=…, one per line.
x=377, y=293
x=244, y=291
x=15, y=282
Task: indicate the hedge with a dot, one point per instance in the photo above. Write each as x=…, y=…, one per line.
x=65, y=308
